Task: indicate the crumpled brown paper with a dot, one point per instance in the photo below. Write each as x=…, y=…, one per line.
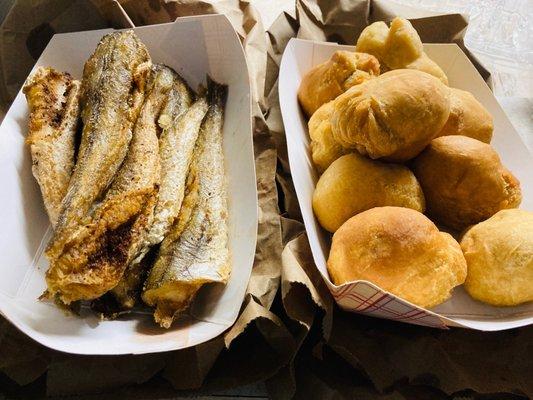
x=289, y=333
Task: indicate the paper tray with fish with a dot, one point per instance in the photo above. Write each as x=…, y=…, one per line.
x=215, y=51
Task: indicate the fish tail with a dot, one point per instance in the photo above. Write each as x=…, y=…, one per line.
x=217, y=93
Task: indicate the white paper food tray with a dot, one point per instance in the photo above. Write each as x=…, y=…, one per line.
x=365, y=297
x=194, y=47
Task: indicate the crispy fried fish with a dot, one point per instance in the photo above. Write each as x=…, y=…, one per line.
x=178, y=101
x=176, y=146
x=111, y=97
x=196, y=250
x=99, y=252
x=123, y=297
x=53, y=99
x=179, y=124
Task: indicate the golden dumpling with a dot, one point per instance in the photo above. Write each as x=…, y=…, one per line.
x=401, y=251
x=464, y=181
x=499, y=254
x=467, y=117
x=393, y=116
x=373, y=40
x=326, y=81
x=353, y=184
x=398, y=47
x=324, y=148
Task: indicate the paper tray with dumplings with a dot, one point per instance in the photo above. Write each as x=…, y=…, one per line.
x=414, y=187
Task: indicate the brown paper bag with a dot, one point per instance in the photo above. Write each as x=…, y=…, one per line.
x=300, y=343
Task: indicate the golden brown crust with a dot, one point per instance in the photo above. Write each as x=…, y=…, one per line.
x=467, y=117
x=398, y=47
x=326, y=81
x=401, y=251
x=499, y=254
x=393, y=116
x=112, y=93
x=53, y=100
x=464, y=181
x=96, y=255
x=353, y=184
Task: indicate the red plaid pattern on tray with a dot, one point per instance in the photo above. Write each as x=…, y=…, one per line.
x=360, y=297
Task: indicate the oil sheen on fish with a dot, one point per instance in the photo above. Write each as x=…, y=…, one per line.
x=53, y=99
x=100, y=251
x=195, y=251
x=179, y=125
x=111, y=96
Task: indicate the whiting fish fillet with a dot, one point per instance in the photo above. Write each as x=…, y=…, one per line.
x=99, y=252
x=179, y=124
x=176, y=146
x=53, y=99
x=111, y=96
x=195, y=251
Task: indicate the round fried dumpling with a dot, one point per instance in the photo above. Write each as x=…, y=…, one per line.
x=400, y=250
x=326, y=81
x=373, y=39
x=324, y=148
x=467, y=117
x=398, y=47
x=353, y=184
x=393, y=116
x=464, y=181
x=427, y=65
x=499, y=254
x=403, y=45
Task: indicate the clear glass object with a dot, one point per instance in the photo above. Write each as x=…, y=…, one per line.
x=500, y=35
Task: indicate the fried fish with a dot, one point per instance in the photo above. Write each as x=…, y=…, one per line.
x=100, y=251
x=176, y=146
x=195, y=251
x=112, y=93
x=53, y=99
x=179, y=125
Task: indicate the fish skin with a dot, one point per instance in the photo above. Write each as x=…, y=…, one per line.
x=53, y=100
x=112, y=93
x=195, y=251
x=179, y=124
x=97, y=258
x=178, y=101
x=176, y=146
